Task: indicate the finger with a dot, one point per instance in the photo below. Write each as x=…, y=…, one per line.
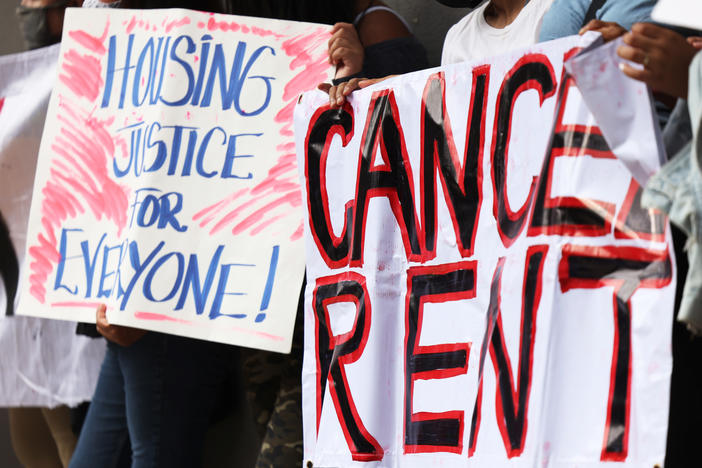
x=640, y=74
x=324, y=87
x=341, y=94
x=695, y=41
x=344, y=27
x=104, y=329
x=334, y=43
x=593, y=25
x=101, y=315
x=330, y=43
x=365, y=82
x=330, y=50
x=639, y=40
x=351, y=86
x=340, y=54
x=341, y=42
x=332, y=95
x=612, y=31
x=335, y=38
x=632, y=54
x=651, y=31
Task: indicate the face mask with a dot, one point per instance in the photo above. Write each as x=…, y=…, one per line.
x=461, y=3
x=34, y=25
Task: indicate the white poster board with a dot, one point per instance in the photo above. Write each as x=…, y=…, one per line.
x=166, y=185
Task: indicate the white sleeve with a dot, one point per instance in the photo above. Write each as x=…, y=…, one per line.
x=447, y=50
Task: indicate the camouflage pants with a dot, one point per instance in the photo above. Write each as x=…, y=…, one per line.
x=273, y=385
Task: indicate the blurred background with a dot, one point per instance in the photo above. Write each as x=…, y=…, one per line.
x=429, y=19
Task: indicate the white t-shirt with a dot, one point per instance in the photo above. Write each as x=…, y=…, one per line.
x=473, y=38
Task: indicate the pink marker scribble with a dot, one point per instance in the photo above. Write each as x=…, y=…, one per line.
x=214, y=25
x=132, y=24
x=151, y=316
x=154, y=317
x=78, y=176
x=177, y=24
x=92, y=43
x=263, y=206
x=81, y=74
x=2, y=103
x=209, y=213
x=79, y=182
x=298, y=233
x=259, y=334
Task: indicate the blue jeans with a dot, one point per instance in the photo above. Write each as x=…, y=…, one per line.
x=158, y=396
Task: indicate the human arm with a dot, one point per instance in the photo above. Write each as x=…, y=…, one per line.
x=609, y=29
x=352, y=44
x=345, y=50
x=380, y=45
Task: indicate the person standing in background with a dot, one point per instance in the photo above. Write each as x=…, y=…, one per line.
x=42, y=437
x=41, y=21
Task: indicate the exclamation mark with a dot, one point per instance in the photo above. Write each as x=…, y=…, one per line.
x=269, y=284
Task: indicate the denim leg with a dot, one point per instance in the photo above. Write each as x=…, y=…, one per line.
x=104, y=433
x=171, y=385
x=194, y=379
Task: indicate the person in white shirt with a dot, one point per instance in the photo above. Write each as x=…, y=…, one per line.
x=495, y=27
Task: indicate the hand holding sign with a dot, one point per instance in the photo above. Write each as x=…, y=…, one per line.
x=663, y=54
x=123, y=336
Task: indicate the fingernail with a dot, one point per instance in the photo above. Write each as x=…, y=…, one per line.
x=621, y=66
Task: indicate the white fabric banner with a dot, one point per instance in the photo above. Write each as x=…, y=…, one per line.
x=43, y=363
x=483, y=287
x=167, y=183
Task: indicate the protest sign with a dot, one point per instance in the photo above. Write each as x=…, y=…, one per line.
x=483, y=286
x=44, y=363
x=167, y=185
